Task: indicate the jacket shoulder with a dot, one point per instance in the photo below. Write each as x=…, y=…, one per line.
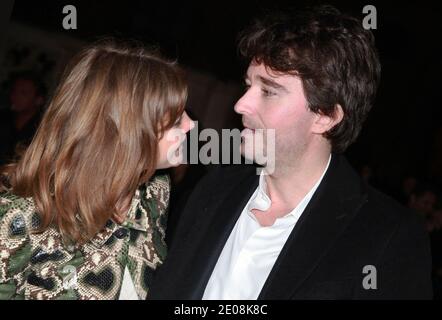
x=390, y=209
x=404, y=256
x=391, y=221
x=17, y=214
x=16, y=219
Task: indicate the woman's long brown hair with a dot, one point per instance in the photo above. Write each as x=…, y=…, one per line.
x=98, y=139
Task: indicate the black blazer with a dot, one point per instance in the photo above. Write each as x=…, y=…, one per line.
x=347, y=225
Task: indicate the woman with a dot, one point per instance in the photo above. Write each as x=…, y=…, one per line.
x=83, y=215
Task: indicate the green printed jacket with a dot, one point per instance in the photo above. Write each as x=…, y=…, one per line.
x=40, y=266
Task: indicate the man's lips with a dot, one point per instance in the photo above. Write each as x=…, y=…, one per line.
x=247, y=132
x=246, y=126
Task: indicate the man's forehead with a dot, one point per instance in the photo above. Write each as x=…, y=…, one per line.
x=261, y=73
x=255, y=71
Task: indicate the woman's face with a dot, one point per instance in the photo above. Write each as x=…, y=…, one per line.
x=170, y=145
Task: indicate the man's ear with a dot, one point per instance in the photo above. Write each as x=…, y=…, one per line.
x=324, y=123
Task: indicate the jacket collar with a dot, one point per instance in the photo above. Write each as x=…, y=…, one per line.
x=136, y=219
x=218, y=226
x=332, y=208
x=335, y=202
x=149, y=201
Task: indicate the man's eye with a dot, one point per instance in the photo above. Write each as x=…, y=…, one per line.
x=267, y=93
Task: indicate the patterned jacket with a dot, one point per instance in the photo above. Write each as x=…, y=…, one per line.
x=40, y=266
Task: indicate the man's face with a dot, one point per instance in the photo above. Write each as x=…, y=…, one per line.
x=275, y=101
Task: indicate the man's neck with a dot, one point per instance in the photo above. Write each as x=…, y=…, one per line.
x=289, y=184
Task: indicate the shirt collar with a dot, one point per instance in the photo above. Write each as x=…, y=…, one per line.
x=261, y=201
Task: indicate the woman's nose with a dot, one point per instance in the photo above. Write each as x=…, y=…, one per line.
x=188, y=124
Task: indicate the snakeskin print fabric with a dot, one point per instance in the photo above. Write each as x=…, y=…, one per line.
x=40, y=266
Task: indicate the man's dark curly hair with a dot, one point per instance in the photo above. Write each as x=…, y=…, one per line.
x=331, y=52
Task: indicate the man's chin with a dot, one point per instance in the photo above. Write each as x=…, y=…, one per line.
x=250, y=157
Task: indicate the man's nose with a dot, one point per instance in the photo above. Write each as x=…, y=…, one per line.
x=241, y=105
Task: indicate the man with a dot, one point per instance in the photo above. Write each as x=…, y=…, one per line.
x=310, y=228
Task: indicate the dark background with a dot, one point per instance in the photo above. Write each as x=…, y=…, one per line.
x=400, y=134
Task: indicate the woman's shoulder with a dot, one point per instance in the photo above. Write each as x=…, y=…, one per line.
x=12, y=202
x=16, y=213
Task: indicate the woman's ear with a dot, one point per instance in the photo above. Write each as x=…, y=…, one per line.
x=324, y=123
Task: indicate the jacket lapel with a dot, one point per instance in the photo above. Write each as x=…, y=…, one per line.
x=329, y=212
x=220, y=225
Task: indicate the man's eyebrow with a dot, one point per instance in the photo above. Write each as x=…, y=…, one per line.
x=271, y=83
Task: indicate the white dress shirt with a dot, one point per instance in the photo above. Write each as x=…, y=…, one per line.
x=251, y=250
